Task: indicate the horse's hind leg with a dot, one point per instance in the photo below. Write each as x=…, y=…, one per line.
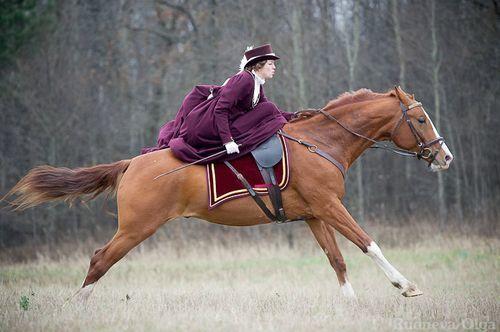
x=338, y=217
x=325, y=235
x=102, y=260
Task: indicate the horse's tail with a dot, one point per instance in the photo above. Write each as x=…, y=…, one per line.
x=47, y=183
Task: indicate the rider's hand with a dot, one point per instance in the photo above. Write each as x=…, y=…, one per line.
x=232, y=147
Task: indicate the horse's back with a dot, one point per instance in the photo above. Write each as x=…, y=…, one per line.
x=165, y=196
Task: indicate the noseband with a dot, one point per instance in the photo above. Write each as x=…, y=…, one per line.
x=424, y=152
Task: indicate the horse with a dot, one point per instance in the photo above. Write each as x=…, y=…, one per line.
x=344, y=128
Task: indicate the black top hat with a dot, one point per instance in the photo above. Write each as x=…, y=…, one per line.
x=264, y=52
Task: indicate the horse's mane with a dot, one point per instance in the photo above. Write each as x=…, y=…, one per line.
x=352, y=97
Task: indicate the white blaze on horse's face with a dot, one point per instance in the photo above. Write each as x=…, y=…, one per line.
x=444, y=157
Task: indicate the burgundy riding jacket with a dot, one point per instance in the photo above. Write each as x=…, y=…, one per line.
x=202, y=126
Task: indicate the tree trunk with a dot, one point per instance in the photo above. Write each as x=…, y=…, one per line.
x=402, y=65
x=455, y=142
x=436, y=63
x=351, y=41
x=298, y=55
x=327, y=23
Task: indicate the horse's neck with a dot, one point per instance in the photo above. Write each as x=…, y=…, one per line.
x=373, y=119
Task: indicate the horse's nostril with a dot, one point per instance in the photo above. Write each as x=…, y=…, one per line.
x=447, y=157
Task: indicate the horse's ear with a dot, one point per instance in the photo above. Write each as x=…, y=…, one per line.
x=397, y=90
x=402, y=96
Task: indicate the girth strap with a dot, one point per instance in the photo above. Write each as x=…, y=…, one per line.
x=314, y=149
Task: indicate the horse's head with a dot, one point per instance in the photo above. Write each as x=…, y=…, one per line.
x=415, y=132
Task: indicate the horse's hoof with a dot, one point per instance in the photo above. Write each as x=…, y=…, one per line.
x=412, y=291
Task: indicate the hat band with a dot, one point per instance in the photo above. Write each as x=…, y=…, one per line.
x=259, y=56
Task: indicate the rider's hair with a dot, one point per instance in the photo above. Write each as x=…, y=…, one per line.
x=256, y=66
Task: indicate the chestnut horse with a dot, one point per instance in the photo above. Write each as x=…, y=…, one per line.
x=145, y=204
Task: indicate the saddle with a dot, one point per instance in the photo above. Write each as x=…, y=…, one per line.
x=266, y=156
x=271, y=159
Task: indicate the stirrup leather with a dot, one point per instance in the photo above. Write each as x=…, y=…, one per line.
x=273, y=189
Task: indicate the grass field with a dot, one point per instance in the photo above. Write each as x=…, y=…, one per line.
x=260, y=287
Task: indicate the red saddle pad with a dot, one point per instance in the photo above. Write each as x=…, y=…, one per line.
x=223, y=184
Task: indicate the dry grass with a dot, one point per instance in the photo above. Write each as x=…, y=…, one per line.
x=264, y=287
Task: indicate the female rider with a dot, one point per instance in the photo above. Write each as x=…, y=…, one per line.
x=236, y=115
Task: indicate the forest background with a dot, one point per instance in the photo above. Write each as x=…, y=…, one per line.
x=89, y=82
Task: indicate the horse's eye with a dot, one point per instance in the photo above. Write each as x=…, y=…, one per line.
x=421, y=119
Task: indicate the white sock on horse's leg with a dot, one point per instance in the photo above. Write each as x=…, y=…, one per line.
x=347, y=290
x=396, y=278
x=83, y=293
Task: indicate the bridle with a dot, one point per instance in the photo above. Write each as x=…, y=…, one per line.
x=425, y=151
x=424, y=147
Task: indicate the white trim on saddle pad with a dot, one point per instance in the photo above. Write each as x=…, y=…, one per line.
x=212, y=187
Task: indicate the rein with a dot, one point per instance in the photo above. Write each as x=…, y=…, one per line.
x=424, y=153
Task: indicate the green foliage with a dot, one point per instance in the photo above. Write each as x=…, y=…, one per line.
x=24, y=303
x=19, y=22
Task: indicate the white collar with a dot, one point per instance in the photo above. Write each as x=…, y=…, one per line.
x=257, y=78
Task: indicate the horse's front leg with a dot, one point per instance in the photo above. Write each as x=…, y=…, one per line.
x=337, y=216
x=325, y=236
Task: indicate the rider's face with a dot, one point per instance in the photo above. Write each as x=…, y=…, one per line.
x=268, y=70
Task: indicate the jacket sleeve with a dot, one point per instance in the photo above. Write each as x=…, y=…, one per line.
x=287, y=115
x=237, y=88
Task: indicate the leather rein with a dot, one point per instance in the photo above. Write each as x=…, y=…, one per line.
x=424, y=147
